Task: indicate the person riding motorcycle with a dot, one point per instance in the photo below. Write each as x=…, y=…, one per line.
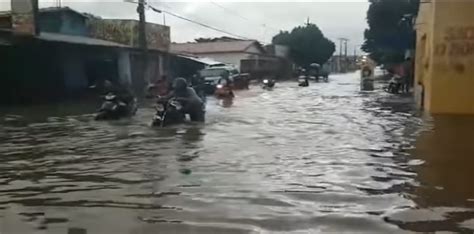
x=192, y=103
x=123, y=93
x=303, y=72
x=270, y=83
x=224, y=86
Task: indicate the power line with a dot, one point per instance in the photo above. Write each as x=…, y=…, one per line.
x=190, y=20
x=230, y=11
x=240, y=16
x=196, y=22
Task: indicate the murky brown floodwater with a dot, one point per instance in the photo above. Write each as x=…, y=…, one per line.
x=321, y=159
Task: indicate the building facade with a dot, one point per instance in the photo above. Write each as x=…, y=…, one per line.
x=445, y=57
x=229, y=52
x=68, y=55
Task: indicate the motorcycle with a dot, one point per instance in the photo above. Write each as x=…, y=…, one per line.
x=394, y=86
x=268, y=84
x=168, y=113
x=303, y=81
x=223, y=91
x=113, y=108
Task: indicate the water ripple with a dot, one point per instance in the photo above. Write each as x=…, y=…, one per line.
x=326, y=158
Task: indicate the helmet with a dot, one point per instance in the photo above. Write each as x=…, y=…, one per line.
x=180, y=84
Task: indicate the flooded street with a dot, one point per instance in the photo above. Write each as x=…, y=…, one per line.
x=326, y=158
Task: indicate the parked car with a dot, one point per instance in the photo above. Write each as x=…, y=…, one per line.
x=212, y=75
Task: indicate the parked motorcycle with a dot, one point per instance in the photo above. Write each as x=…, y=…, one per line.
x=303, y=81
x=168, y=113
x=113, y=108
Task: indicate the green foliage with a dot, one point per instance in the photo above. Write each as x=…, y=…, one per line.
x=307, y=45
x=390, y=31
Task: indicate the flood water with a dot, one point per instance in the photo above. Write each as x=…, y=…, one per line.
x=326, y=158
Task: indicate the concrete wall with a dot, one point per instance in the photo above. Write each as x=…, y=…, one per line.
x=446, y=62
x=65, y=22
x=126, y=32
x=141, y=78
x=424, y=27
x=22, y=17
x=124, y=68
x=73, y=24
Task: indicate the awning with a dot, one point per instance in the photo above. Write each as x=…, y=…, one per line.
x=56, y=37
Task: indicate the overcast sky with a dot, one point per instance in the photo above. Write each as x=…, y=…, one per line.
x=257, y=20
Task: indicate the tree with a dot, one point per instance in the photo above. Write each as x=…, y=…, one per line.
x=307, y=45
x=390, y=31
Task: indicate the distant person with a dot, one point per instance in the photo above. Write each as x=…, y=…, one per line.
x=159, y=88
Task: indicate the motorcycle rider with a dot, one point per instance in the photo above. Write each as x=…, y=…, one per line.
x=304, y=73
x=123, y=93
x=226, y=83
x=192, y=103
x=271, y=82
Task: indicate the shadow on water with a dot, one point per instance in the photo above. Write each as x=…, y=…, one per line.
x=326, y=158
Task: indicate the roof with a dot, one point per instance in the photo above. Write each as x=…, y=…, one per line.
x=203, y=60
x=56, y=37
x=214, y=47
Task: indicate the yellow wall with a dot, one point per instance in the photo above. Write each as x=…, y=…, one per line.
x=424, y=26
x=447, y=68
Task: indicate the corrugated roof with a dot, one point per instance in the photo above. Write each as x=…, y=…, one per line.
x=56, y=37
x=212, y=47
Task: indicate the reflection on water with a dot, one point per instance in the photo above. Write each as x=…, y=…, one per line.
x=445, y=195
x=322, y=158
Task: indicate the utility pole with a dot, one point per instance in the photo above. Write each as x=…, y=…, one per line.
x=142, y=40
x=345, y=48
x=142, y=26
x=342, y=41
x=35, y=5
